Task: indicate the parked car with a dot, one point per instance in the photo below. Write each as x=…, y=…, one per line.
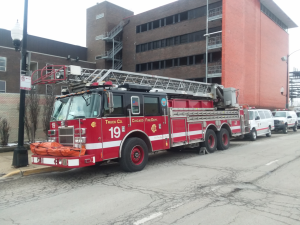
x=298, y=116
x=261, y=122
x=285, y=120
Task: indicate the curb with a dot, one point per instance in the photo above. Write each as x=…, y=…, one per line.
x=35, y=171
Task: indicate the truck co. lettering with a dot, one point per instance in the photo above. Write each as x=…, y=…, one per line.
x=113, y=121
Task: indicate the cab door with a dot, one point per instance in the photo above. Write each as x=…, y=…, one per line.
x=154, y=121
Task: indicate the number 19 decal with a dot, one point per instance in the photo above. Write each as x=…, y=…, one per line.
x=115, y=132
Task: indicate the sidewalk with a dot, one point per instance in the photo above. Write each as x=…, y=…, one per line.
x=6, y=169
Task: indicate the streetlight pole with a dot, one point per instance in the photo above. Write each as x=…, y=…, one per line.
x=20, y=157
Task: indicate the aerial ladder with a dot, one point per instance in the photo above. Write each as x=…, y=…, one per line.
x=80, y=79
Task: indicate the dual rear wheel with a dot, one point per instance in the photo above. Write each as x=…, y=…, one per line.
x=213, y=141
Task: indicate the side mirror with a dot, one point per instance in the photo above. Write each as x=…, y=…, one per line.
x=289, y=117
x=110, y=101
x=257, y=118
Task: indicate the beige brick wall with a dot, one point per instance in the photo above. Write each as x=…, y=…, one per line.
x=9, y=110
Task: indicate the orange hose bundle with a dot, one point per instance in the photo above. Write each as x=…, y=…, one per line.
x=55, y=149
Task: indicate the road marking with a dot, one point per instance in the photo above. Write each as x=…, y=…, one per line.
x=176, y=206
x=146, y=219
x=268, y=164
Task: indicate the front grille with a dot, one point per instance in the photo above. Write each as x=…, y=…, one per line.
x=276, y=121
x=66, y=135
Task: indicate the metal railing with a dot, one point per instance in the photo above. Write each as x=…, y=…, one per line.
x=215, y=42
x=118, y=65
x=215, y=13
x=215, y=70
x=115, y=31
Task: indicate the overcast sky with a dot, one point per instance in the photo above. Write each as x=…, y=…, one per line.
x=65, y=20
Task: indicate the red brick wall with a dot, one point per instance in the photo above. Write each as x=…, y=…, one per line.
x=251, y=58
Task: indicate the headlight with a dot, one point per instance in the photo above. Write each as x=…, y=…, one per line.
x=79, y=140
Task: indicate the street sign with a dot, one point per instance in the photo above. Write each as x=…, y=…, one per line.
x=25, y=82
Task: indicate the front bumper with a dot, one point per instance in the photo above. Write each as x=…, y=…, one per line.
x=279, y=126
x=65, y=162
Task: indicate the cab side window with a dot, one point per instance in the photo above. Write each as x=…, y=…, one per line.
x=267, y=114
x=118, y=105
x=261, y=115
x=151, y=106
x=135, y=105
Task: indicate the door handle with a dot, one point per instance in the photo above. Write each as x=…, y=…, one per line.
x=129, y=111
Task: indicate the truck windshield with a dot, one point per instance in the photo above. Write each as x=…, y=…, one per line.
x=76, y=107
x=280, y=114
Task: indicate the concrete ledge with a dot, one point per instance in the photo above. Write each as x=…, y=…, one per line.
x=28, y=172
x=11, y=149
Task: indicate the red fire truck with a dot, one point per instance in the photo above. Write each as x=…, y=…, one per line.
x=124, y=116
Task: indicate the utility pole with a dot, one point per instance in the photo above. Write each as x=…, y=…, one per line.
x=206, y=55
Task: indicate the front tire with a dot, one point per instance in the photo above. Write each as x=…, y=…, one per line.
x=223, y=139
x=269, y=134
x=285, y=129
x=210, y=141
x=134, y=156
x=295, y=128
x=253, y=135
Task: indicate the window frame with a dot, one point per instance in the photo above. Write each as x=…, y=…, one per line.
x=5, y=65
x=111, y=114
x=132, y=105
x=4, y=86
x=159, y=106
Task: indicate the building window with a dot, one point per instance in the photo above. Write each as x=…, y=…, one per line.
x=2, y=64
x=186, y=38
x=183, y=61
x=269, y=14
x=100, y=16
x=63, y=89
x=183, y=16
x=49, y=89
x=2, y=86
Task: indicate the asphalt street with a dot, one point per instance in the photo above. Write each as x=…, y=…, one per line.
x=250, y=183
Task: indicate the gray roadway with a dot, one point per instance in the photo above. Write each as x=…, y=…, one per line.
x=251, y=183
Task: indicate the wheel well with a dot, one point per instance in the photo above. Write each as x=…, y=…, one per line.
x=226, y=126
x=142, y=136
x=212, y=127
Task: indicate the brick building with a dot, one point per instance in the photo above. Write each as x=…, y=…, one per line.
x=248, y=39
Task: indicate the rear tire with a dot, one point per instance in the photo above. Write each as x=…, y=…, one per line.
x=134, y=156
x=269, y=134
x=223, y=139
x=285, y=129
x=210, y=141
x=253, y=135
x=295, y=128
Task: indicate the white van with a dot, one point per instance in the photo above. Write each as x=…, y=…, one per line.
x=261, y=122
x=298, y=116
x=284, y=120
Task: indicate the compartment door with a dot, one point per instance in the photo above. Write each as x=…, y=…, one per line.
x=179, y=131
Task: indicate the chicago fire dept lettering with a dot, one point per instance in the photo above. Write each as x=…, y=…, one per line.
x=137, y=121
x=150, y=120
x=153, y=128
